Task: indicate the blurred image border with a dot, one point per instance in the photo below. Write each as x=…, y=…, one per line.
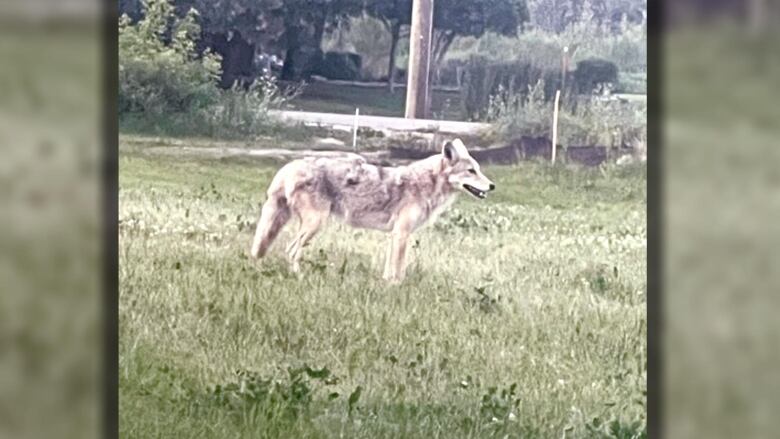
x=110, y=173
x=656, y=25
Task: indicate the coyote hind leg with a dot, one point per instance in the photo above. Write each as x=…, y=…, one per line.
x=275, y=214
x=313, y=213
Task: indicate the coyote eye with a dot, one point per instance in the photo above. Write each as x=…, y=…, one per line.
x=473, y=171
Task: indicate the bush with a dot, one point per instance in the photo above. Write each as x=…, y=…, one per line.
x=301, y=63
x=634, y=83
x=595, y=120
x=484, y=79
x=593, y=72
x=340, y=65
x=166, y=87
x=627, y=48
x=515, y=115
x=158, y=78
x=519, y=63
x=246, y=112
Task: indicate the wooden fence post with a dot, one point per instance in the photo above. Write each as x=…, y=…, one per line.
x=354, y=129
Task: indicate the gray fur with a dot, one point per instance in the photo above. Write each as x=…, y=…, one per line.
x=393, y=199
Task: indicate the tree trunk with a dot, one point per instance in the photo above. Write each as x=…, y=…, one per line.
x=441, y=45
x=319, y=30
x=301, y=33
x=394, y=35
x=292, y=43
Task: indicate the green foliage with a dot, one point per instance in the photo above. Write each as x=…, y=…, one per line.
x=266, y=398
x=371, y=35
x=626, y=48
x=484, y=79
x=591, y=120
x=499, y=405
x=390, y=11
x=593, y=72
x=340, y=65
x=245, y=112
x=517, y=64
x=634, y=83
x=522, y=114
x=156, y=76
x=453, y=18
x=615, y=429
x=354, y=397
x=555, y=15
x=166, y=87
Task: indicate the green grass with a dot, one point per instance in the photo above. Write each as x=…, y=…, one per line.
x=373, y=101
x=521, y=316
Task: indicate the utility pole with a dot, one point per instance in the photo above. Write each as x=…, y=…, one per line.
x=419, y=60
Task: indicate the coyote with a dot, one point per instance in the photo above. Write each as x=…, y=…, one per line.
x=392, y=199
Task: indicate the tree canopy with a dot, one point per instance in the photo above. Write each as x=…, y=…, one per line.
x=453, y=18
x=557, y=15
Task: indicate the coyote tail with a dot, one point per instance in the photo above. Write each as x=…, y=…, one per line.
x=274, y=215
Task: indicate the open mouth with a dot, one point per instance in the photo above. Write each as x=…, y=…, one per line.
x=474, y=191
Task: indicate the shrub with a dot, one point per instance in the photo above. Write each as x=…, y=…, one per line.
x=592, y=72
x=340, y=65
x=515, y=114
x=246, y=112
x=156, y=77
x=595, y=120
x=635, y=83
x=484, y=79
x=166, y=87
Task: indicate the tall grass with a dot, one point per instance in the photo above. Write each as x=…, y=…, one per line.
x=588, y=120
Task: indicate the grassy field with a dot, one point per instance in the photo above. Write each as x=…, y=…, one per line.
x=374, y=101
x=522, y=315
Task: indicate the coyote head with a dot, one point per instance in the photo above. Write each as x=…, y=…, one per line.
x=463, y=171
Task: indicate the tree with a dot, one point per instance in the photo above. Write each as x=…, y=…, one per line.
x=393, y=14
x=235, y=28
x=557, y=15
x=451, y=18
x=305, y=22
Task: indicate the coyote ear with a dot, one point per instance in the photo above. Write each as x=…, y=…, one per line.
x=448, y=151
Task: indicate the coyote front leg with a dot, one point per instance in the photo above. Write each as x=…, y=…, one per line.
x=394, y=269
x=388, y=273
x=396, y=257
